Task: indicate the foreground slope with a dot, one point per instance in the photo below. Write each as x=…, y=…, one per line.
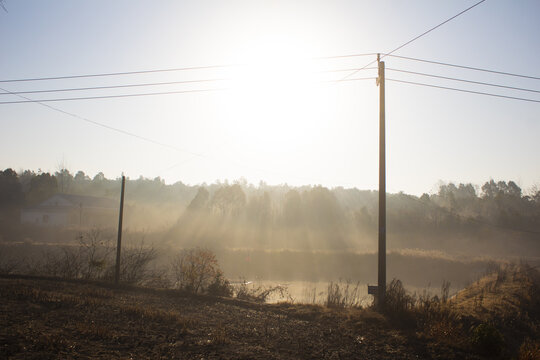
x=46, y=318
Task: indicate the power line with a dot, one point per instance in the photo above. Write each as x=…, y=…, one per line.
x=28, y=100
x=114, y=86
x=353, y=79
x=465, y=67
x=419, y=36
x=225, y=79
x=463, y=90
x=435, y=27
x=105, y=126
x=343, y=70
x=163, y=70
x=142, y=84
x=127, y=132
x=357, y=70
x=463, y=80
x=113, y=96
x=343, y=56
x=121, y=73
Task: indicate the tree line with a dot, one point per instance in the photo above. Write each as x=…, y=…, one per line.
x=241, y=215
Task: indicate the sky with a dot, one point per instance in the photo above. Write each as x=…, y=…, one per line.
x=271, y=112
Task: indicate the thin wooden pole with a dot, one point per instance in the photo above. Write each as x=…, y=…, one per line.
x=381, y=285
x=119, y=243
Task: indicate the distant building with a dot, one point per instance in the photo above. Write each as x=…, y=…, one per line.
x=72, y=210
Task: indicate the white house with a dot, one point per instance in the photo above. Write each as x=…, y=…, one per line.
x=72, y=210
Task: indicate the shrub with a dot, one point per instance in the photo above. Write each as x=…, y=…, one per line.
x=487, y=339
x=397, y=299
x=341, y=295
x=95, y=259
x=197, y=270
x=220, y=286
x=65, y=264
x=95, y=253
x=134, y=262
x=260, y=293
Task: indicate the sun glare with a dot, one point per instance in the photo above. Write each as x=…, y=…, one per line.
x=276, y=98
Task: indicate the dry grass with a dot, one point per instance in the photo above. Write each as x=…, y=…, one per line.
x=494, y=316
x=343, y=295
x=260, y=293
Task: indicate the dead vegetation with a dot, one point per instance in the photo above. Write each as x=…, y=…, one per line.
x=51, y=318
x=495, y=317
x=343, y=295
x=45, y=319
x=260, y=293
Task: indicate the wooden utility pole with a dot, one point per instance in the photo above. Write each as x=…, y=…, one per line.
x=119, y=243
x=381, y=284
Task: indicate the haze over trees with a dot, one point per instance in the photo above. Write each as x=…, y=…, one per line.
x=458, y=218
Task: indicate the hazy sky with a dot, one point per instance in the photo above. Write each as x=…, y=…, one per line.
x=277, y=119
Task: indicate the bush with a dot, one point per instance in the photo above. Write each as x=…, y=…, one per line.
x=341, y=295
x=95, y=253
x=397, y=299
x=260, y=293
x=197, y=270
x=134, y=262
x=487, y=339
x=95, y=259
x=220, y=286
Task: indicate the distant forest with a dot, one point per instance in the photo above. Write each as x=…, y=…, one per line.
x=494, y=218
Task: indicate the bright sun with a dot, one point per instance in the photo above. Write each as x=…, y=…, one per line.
x=277, y=99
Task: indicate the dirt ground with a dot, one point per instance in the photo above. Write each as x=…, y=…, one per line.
x=54, y=319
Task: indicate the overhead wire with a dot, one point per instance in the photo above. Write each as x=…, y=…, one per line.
x=343, y=56
x=435, y=27
x=343, y=70
x=149, y=71
x=462, y=90
x=28, y=100
x=118, y=73
x=419, y=36
x=465, y=67
x=114, y=96
x=89, y=88
x=353, y=79
x=128, y=133
x=114, y=86
x=462, y=80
